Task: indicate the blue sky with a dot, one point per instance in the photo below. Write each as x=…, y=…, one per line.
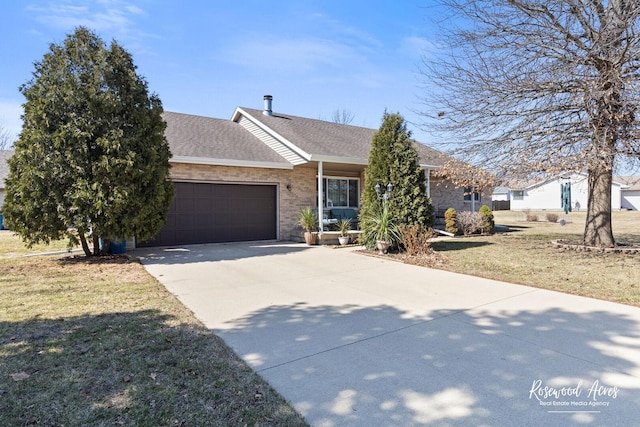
x=208, y=57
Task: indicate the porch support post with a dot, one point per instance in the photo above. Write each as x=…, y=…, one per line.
x=320, y=191
x=473, y=198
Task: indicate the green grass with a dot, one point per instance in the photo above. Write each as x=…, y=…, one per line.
x=103, y=344
x=526, y=256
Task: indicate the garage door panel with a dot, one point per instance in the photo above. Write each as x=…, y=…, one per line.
x=213, y=213
x=203, y=205
x=184, y=206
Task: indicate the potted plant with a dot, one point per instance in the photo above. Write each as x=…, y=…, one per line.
x=385, y=231
x=344, y=225
x=308, y=220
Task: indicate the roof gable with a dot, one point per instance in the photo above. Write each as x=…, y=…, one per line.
x=319, y=138
x=281, y=145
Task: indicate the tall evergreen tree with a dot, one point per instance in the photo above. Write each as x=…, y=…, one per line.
x=394, y=159
x=91, y=160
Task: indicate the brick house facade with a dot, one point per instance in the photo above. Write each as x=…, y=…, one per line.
x=299, y=162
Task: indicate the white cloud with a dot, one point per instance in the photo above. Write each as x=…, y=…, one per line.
x=416, y=46
x=349, y=33
x=299, y=55
x=115, y=17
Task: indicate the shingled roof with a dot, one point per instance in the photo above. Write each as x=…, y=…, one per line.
x=216, y=141
x=251, y=138
x=632, y=182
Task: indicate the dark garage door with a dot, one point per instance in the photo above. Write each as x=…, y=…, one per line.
x=214, y=213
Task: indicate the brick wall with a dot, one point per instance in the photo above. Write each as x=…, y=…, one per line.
x=445, y=195
x=297, y=189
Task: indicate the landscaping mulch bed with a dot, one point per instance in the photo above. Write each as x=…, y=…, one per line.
x=432, y=259
x=104, y=259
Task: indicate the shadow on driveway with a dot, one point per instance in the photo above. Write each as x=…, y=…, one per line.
x=223, y=252
x=350, y=365
x=352, y=340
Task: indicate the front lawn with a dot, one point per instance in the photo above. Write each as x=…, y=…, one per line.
x=526, y=256
x=102, y=343
x=12, y=246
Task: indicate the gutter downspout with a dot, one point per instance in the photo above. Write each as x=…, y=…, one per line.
x=427, y=172
x=320, y=191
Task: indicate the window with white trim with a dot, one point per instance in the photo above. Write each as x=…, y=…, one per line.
x=468, y=192
x=341, y=192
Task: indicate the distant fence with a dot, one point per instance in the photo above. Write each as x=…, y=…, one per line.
x=501, y=205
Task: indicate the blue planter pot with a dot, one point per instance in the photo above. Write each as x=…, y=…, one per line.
x=117, y=247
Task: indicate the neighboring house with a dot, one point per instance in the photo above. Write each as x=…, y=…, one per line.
x=501, y=194
x=545, y=195
x=501, y=199
x=247, y=178
x=630, y=194
x=4, y=173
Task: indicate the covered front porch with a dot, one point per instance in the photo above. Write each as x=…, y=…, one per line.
x=340, y=183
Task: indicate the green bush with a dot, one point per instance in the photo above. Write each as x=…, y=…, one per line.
x=451, y=221
x=489, y=222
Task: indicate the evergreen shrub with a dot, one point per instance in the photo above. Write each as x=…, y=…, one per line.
x=451, y=221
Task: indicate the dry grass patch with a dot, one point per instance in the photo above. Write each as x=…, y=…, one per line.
x=526, y=256
x=104, y=344
x=12, y=246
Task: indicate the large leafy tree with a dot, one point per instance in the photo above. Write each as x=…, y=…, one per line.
x=526, y=88
x=394, y=159
x=91, y=161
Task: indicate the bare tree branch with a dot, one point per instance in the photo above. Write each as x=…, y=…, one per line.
x=530, y=86
x=6, y=139
x=343, y=116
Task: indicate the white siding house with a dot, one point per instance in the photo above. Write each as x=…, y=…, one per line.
x=501, y=194
x=631, y=194
x=545, y=195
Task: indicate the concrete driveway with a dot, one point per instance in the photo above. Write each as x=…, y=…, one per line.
x=352, y=340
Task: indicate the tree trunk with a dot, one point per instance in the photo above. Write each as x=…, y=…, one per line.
x=96, y=245
x=83, y=241
x=598, y=230
x=106, y=247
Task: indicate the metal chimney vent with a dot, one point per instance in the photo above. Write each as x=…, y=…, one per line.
x=267, y=105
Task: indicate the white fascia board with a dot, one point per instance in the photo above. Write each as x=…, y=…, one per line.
x=229, y=162
x=290, y=145
x=338, y=159
x=236, y=114
x=354, y=161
